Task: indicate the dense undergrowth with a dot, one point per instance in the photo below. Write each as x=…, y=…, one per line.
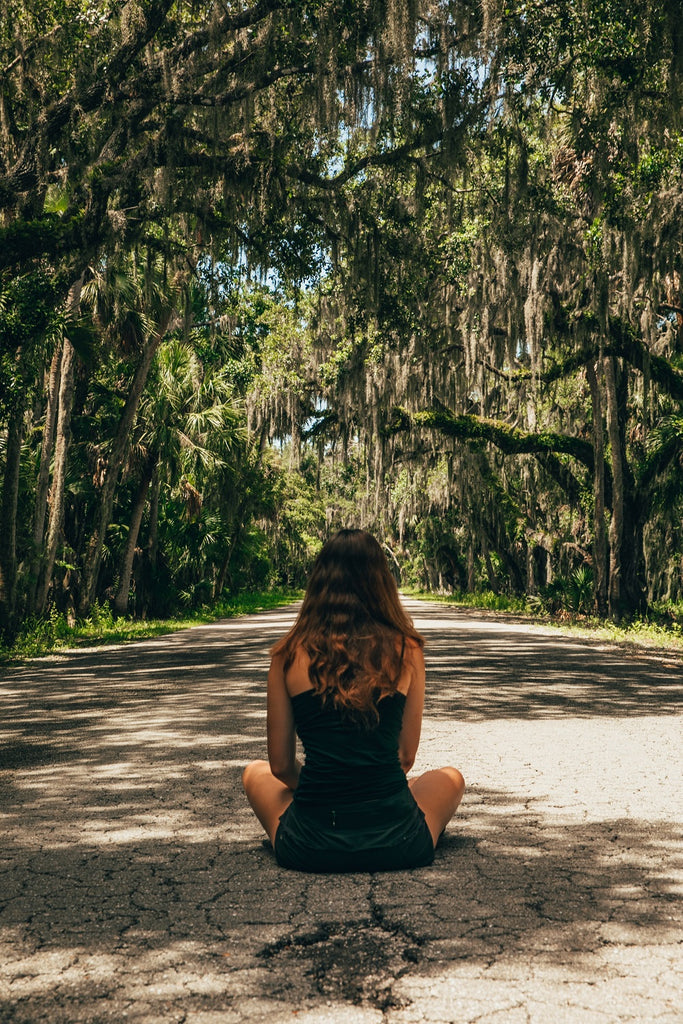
x=39, y=637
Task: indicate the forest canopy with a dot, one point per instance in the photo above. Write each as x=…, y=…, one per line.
x=272, y=267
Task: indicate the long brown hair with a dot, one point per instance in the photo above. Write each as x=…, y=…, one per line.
x=352, y=626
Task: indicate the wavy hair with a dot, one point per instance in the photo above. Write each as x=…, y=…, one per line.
x=352, y=626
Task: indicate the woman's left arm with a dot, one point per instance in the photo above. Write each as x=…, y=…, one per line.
x=409, y=738
x=280, y=727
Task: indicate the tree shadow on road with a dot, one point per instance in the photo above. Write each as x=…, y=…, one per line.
x=132, y=861
x=188, y=908
x=209, y=685
x=480, y=674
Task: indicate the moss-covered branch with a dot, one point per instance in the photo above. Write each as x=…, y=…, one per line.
x=547, y=447
x=510, y=440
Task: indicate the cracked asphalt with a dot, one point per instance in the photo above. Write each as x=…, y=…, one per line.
x=135, y=886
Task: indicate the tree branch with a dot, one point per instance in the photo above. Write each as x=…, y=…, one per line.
x=385, y=158
x=510, y=440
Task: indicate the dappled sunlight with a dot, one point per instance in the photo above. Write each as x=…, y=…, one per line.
x=562, y=904
x=135, y=876
x=482, y=669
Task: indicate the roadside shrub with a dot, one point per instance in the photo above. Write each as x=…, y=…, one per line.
x=573, y=593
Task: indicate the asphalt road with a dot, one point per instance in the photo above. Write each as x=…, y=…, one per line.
x=135, y=887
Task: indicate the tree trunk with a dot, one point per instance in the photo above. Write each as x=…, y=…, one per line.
x=126, y=570
x=490, y=571
x=117, y=457
x=62, y=441
x=43, y=484
x=471, y=578
x=616, y=531
x=599, y=529
x=153, y=539
x=8, y=521
x=626, y=591
x=225, y=564
x=531, y=568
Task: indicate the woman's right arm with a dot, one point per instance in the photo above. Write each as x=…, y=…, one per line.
x=280, y=727
x=409, y=738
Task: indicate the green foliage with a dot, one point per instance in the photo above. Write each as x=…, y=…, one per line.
x=660, y=631
x=456, y=252
x=484, y=599
x=29, y=322
x=390, y=241
x=572, y=593
x=41, y=637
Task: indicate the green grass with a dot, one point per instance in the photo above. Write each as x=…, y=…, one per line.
x=639, y=632
x=484, y=599
x=660, y=634
x=40, y=637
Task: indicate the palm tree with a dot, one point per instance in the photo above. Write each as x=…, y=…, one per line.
x=189, y=425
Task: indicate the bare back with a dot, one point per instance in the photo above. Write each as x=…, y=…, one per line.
x=297, y=679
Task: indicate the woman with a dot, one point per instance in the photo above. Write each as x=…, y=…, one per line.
x=349, y=678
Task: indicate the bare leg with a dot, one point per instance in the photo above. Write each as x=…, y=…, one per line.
x=438, y=793
x=269, y=798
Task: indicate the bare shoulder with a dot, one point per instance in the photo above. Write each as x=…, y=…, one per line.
x=414, y=654
x=277, y=664
x=297, y=679
x=413, y=669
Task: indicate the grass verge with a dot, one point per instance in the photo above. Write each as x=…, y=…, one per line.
x=39, y=637
x=638, y=632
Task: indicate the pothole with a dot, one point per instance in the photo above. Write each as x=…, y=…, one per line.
x=357, y=962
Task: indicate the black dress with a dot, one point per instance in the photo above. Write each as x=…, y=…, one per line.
x=352, y=809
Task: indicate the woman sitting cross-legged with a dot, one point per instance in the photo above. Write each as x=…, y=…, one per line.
x=349, y=678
